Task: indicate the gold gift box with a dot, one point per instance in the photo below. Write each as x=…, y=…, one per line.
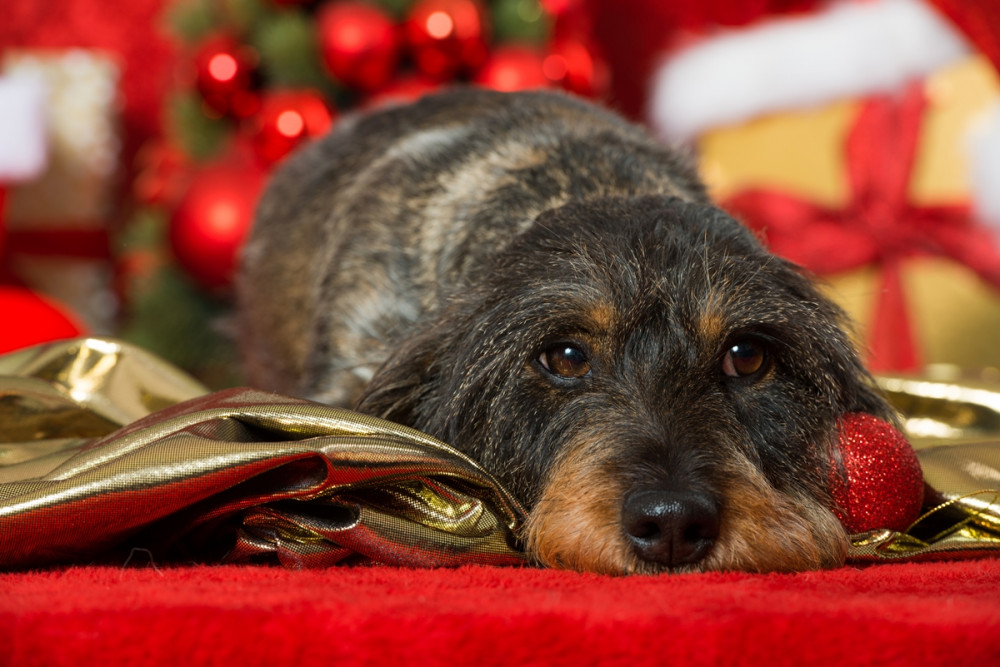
x=953, y=313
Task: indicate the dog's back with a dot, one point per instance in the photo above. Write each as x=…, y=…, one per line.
x=369, y=230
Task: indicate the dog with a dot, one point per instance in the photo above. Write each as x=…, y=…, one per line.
x=543, y=285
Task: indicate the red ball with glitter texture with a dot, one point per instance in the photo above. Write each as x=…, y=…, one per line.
x=224, y=72
x=358, y=44
x=211, y=221
x=287, y=119
x=447, y=37
x=881, y=484
x=511, y=68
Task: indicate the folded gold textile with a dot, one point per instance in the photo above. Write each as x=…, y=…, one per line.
x=108, y=454
x=235, y=476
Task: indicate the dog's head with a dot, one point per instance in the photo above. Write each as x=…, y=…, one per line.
x=660, y=391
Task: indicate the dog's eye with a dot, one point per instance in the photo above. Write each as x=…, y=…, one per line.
x=565, y=360
x=745, y=358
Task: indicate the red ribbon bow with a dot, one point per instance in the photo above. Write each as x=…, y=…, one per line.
x=879, y=225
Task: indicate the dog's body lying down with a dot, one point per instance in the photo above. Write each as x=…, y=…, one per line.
x=543, y=286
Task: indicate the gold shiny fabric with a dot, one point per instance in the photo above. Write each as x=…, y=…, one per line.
x=953, y=423
x=108, y=454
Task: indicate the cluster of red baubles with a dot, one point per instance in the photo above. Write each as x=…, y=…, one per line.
x=378, y=60
x=366, y=51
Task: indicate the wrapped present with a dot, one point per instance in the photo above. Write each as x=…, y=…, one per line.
x=57, y=222
x=856, y=163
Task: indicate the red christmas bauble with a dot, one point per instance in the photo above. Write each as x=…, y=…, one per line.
x=573, y=66
x=211, y=221
x=447, y=37
x=511, y=68
x=881, y=485
x=287, y=119
x=358, y=44
x=224, y=73
x=401, y=91
x=31, y=319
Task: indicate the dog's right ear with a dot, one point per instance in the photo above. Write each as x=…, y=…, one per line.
x=401, y=386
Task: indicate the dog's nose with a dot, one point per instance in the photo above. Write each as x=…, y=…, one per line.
x=670, y=527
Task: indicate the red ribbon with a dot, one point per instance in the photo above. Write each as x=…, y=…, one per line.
x=879, y=225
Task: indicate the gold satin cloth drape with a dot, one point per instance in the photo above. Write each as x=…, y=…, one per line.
x=237, y=476
x=109, y=455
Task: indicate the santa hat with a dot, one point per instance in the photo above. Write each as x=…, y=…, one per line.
x=845, y=49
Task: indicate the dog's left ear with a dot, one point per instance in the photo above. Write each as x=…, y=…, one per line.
x=402, y=384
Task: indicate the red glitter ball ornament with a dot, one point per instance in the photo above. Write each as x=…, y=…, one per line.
x=211, y=221
x=224, y=72
x=447, y=37
x=882, y=484
x=287, y=119
x=511, y=68
x=358, y=44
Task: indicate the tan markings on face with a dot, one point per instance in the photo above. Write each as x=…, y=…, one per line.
x=576, y=525
x=764, y=530
x=602, y=316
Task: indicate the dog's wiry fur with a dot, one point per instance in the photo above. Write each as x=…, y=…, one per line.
x=419, y=263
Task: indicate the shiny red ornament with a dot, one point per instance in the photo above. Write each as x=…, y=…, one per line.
x=358, y=43
x=511, y=68
x=211, y=221
x=224, y=76
x=30, y=319
x=572, y=65
x=447, y=37
x=401, y=91
x=880, y=484
x=287, y=119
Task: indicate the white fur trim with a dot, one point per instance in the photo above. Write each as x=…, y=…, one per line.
x=850, y=49
x=23, y=128
x=984, y=168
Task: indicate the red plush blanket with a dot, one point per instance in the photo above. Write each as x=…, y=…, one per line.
x=905, y=614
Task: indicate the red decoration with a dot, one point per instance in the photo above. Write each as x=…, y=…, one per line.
x=286, y=120
x=883, y=485
x=511, y=68
x=878, y=225
x=572, y=65
x=401, y=91
x=358, y=43
x=210, y=223
x=224, y=71
x=447, y=37
x=31, y=319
